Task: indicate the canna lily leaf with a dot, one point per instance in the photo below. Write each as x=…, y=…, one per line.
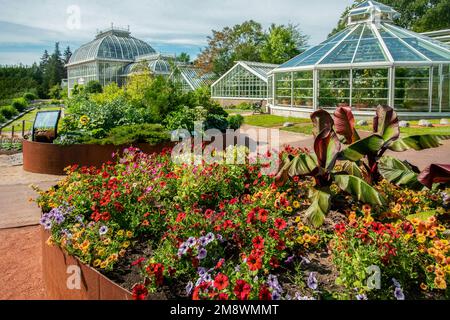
x=283, y=175
x=386, y=124
x=400, y=173
x=303, y=165
x=345, y=124
x=352, y=169
x=358, y=150
x=435, y=173
x=359, y=189
x=419, y=142
x=321, y=120
x=327, y=147
x=422, y=216
x=320, y=205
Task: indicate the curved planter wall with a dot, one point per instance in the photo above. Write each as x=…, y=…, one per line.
x=93, y=285
x=47, y=158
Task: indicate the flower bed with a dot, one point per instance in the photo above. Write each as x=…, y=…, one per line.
x=319, y=228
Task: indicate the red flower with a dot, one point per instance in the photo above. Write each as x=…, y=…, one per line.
x=105, y=175
x=280, y=224
x=220, y=264
x=181, y=216
x=264, y=293
x=258, y=242
x=140, y=292
x=118, y=206
x=377, y=227
x=274, y=263
x=251, y=217
x=262, y=215
x=223, y=296
x=242, y=290
x=221, y=282
x=254, y=262
x=340, y=228
x=156, y=270
x=274, y=234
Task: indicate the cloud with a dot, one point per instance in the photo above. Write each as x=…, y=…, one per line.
x=176, y=22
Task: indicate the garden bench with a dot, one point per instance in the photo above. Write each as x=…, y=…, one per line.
x=257, y=107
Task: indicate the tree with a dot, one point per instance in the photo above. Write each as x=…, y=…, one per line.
x=184, y=58
x=282, y=43
x=93, y=86
x=66, y=57
x=416, y=15
x=240, y=42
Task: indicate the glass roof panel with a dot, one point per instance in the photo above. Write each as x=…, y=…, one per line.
x=314, y=58
x=400, y=52
x=338, y=36
x=295, y=61
x=343, y=53
x=430, y=51
x=369, y=50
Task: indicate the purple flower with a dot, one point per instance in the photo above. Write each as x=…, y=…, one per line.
x=396, y=283
x=202, y=241
x=312, y=281
x=189, y=287
x=191, y=242
x=209, y=238
x=305, y=260
x=398, y=294
x=59, y=218
x=79, y=218
x=201, y=271
x=103, y=230
x=298, y=296
x=202, y=253
x=289, y=260
x=361, y=297
x=182, y=250
x=207, y=277
x=276, y=295
x=219, y=237
x=46, y=223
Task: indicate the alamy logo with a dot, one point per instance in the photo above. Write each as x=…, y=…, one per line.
x=74, y=17
x=74, y=278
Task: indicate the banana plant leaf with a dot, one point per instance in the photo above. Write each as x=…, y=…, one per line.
x=435, y=173
x=321, y=120
x=352, y=169
x=327, y=147
x=400, y=173
x=386, y=124
x=367, y=146
x=345, y=124
x=302, y=165
x=320, y=205
x=418, y=142
x=359, y=189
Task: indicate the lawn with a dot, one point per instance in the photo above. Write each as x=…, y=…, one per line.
x=304, y=126
x=29, y=119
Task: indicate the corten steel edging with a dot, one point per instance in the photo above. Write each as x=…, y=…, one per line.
x=93, y=285
x=47, y=158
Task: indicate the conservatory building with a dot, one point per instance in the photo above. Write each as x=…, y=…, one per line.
x=244, y=82
x=369, y=63
x=104, y=59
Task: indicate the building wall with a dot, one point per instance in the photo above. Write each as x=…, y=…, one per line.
x=226, y=102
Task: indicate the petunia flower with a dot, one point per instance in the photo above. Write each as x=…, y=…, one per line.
x=312, y=281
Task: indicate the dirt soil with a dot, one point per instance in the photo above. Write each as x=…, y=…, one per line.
x=21, y=264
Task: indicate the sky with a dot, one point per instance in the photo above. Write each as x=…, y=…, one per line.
x=28, y=27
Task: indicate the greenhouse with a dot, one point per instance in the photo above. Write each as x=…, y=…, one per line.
x=246, y=81
x=156, y=63
x=369, y=63
x=105, y=58
x=191, y=78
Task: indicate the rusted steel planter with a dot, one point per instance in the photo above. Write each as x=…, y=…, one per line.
x=93, y=285
x=47, y=158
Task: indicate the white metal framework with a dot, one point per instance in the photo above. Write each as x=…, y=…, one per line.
x=190, y=78
x=245, y=80
x=369, y=63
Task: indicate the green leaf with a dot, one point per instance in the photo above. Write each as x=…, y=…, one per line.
x=419, y=142
x=361, y=148
x=302, y=165
x=422, y=216
x=400, y=173
x=327, y=147
x=320, y=205
x=352, y=169
x=386, y=124
x=359, y=189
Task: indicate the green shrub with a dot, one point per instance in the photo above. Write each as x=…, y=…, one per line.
x=8, y=112
x=55, y=92
x=244, y=106
x=93, y=86
x=29, y=96
x=20, y=104
x=138, y=133
x=2, y=118
x=235, y=121
x=215, y=121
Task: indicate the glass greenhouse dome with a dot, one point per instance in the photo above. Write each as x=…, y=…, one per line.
x=105, y=58
x=371, y=62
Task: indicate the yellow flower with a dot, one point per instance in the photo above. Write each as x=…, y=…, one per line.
x=289, y=209
x=439, y=273
x=104, y=264
x=107, y=241
x=101, y=252
x=440, y=283
x=129, y=234
x=421, y=239
x=122, y=252
x=120, y=233
x=97, y=263
x=407, y=237
x=49, y=241
x=429, y=269
x=126, y=244
x=423, y=286
x=366, y=208
x=298, y=219
x=84, y=120
x=296, y=204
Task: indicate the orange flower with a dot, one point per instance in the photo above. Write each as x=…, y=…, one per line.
x=440, y=283
x=423, y=286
